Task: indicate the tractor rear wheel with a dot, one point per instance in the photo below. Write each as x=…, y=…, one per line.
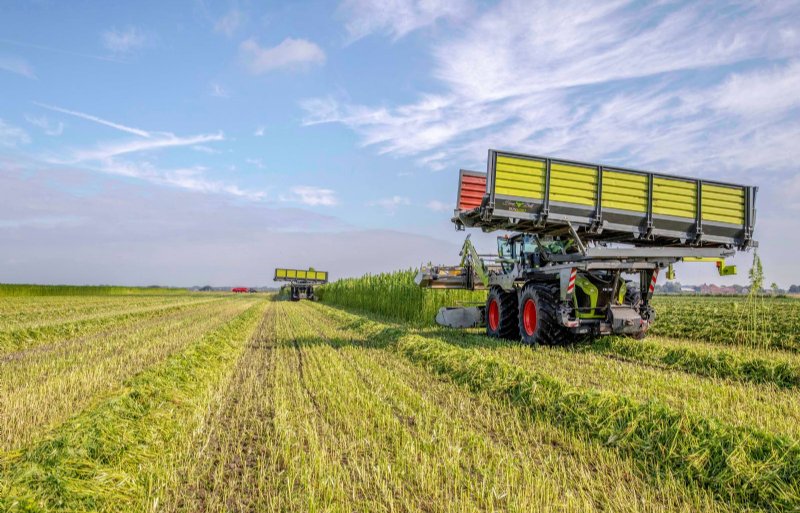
x=537, y=316
x=501, y=314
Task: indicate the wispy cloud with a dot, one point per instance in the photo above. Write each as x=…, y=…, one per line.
x=150, y=140
x=230, y=23
x=17, y=66
x=189, y=178
x=614, y=80
x=218, y=91
x=256, y=163
x=58, y=50
x=439, y=206
x=124, y=41
x=398, y=17
x=95, y=119
x=312, y=196
x=161, y=141
x=390, y=204
x=47, y=126
x=11, y=136
x=260, y=131
x=289, y=54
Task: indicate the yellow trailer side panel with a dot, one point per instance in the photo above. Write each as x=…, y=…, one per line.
x=672, y=197
x=519, y=177
x=624, y=191
x=573, y=184
x=723, y=204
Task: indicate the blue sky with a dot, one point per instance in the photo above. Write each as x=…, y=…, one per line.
x=207, y=142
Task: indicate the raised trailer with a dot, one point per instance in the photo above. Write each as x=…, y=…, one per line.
x=581, y=230
x=301, y=282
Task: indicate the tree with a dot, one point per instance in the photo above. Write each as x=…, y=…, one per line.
x=775, y=288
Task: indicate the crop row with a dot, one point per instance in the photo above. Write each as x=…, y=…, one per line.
x=18, y=339
x=321, y=417
x=121, y=455
x=740, y=464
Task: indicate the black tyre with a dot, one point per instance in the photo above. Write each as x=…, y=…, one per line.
x=538, y=323
x=501, y=314
x=633, y=297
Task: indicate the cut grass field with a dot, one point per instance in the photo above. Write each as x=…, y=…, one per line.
x=255, y=404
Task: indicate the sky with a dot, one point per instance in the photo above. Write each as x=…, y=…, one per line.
x=195, y=142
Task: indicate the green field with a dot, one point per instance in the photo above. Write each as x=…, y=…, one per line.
x=194, y=402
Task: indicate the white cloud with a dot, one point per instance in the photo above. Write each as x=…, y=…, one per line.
x=124, y=41
x=159, y=141
x=48, y=127
x=439, y=206
x=150, y=140
x=205, y=149
x=218, y=91
x=600, y=81
x=95, y=119
x=397, y=18
x=256, y=162
x=290, y=53
x=11, y=136
x=390, y=204
x=259, y=131
x=16, y=65
x=312, y=196
x=229, y=23
x=189, y=178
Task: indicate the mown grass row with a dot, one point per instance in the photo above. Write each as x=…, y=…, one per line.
x=9, y=289
x=319, y=417
x=709, y=362
x=116, y=457
x=26, y=337
x=745, y=466
x=395, y=295
x=43, y=387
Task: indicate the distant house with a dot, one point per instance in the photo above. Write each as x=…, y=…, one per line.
x=686, y=289
x=717, y=289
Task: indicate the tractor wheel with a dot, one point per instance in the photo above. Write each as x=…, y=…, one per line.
x=501, y=314
x=537, y=316
x=633, y=297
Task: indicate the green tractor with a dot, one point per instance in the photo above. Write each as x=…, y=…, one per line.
x=586, y=247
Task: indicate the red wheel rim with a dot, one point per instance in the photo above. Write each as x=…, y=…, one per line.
x=529, y=317
x=494, y=315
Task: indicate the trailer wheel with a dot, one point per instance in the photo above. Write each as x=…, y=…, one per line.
x=537, y=316
x=501, y=314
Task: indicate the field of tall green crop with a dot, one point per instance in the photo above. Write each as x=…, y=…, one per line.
x=191, y=402
x=396, y=296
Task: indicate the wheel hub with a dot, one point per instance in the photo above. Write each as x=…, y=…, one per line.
x=529, y=317
x=494, y=315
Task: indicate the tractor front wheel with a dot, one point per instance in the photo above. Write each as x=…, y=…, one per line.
x=501, y=314
x=537, y=315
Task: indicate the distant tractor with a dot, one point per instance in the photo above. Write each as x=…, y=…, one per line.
x=301, y=282
x=239, y=290
x=578, y=231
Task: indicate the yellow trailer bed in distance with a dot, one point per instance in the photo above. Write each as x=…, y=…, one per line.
x=301, y=275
